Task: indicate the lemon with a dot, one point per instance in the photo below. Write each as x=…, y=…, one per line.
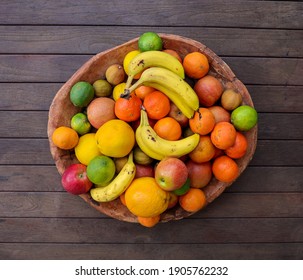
x=150, y=41
x=127, y=59
x=102, y=88
x=145, y=198
x=101, y=170
x=87, y=148
x=118, y=90
x=244, y=118
x=115, y=138
x=80, y=123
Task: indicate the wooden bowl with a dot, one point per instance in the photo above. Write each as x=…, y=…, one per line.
x=61, y=111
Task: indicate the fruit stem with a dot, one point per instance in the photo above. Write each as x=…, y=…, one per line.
x=144, y=118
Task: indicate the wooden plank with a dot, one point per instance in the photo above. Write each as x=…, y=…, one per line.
x=96, y=230
x=16, y=124
x=228, y=205
x=249, y=251
x=38, y=96
x=59, y=68
x=94, y=39
x=31, y=178
x=36, y=151
x=195, y=13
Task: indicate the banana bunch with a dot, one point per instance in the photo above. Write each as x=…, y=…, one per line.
x=148, y=59
x=158, y=148
x=173, y=86
x=118, y=185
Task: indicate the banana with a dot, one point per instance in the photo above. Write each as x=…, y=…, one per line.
x=159, y=148
x=118, y=185
x=153, y=58
x=177, y=89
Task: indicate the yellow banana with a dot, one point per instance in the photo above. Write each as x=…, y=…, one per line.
x=148, y=59
x=158, y=148
x=116, y=187
x=177, y=87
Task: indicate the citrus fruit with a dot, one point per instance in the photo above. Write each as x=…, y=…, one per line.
x=225, y=169
x=244, y=118
x=101, y=110
x=81, y=94
x=65, y=138
x=156, y=104
x=184, y=189
x=145, y=198
x=204, y=151
x=193, y=200
x=142, y=91
x=80, y=123
x=102, y=88
x=239, y=148
x=203, y=121
x=128, y=109
x=149, y=222
x=168, y=128
x=87, y=148
x=100, y=170
x=195, y=65
x=150, y=41
x=115, y=138
x=127, y=59
x=223, y=135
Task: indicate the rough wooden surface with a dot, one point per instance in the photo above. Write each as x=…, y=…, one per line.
x=258, y=217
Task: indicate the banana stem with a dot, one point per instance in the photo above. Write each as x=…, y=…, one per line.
x=129, y=81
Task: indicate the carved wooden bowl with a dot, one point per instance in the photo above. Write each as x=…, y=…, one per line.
x=61, y=111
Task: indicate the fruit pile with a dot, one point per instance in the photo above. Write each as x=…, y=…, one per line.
x=154, y=132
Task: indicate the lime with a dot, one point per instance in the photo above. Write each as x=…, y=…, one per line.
x=102, y=88
x=87, y=148
x=150, y=41
x=80, y=123
x=244, y=118
x=101, y=170
x=184, y=189
x=81, y=94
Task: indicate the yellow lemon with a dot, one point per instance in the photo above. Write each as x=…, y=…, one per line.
x=118, y=90
x=87, y=148
x=144, y=198
x=115, y=138
x=127, y=59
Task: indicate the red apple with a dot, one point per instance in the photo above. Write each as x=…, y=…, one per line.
x=74, y=179
x=173, y=200
x=144, y=171
x=176, y=114
x=171, y=173
x=220, y=114
x=199, y=174
x=209, y=89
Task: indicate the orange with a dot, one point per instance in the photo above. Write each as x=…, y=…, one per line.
x=225, y=169
x=65, y=138
x=203, y=121
x=168, y=128
x=149, y=222
x=195, y=65
x=174, y=54
x=128, y=109
x=145, y=198
x=142, y=91
x=156, y=104
x=193, y=200
x=223, y=135
x=239, y=148
x=122, y=198
x=204, y=151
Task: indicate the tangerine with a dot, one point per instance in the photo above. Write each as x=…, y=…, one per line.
x=225, y=169
x=156, y=104
x=239, y=148
x=223, y=135
x=128, y=109
x=149, y=222
x=168, y=128
x=193, y=200
x=195, y=65
x=142, y=91
x=202, y=122
x=204, y=151
x=65, y=138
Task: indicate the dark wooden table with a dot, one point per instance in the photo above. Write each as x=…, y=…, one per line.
x=43, y=42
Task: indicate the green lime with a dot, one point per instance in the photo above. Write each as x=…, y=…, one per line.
x=80, y=123
x=244, y=118
x=102, y=88
x=184, y=189
x=150, y=41
x=81, y=94
x=100, y=170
